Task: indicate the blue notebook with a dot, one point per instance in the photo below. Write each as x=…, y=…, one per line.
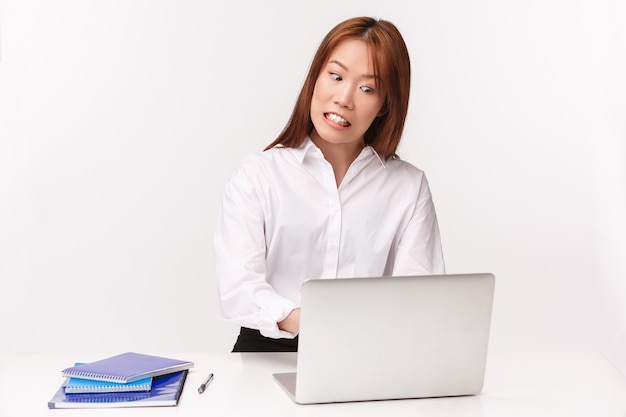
x=83, y=386
x=127, y=367
x=166, y=390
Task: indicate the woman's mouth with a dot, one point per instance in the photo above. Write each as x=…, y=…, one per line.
x=335, y=118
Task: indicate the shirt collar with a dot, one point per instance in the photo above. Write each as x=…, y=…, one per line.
x=382, y=162
x=301, y=151
x=308, y=146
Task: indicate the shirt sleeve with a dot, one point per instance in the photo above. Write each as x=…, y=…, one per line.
x=246, y=298
x=419, y=250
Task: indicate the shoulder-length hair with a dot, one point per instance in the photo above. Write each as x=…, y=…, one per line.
x=391, y=66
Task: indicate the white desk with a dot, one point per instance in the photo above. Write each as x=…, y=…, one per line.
x=520, y=384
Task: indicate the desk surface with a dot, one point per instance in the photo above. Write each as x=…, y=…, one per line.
x=516, y=384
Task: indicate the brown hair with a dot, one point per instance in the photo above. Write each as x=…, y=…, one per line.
x=391, y=65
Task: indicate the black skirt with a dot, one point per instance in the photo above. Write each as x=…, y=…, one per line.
x=251, y=340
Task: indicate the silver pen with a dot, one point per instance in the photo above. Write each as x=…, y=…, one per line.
x=205, y=384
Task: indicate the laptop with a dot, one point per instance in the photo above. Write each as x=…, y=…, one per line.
x=386, y=338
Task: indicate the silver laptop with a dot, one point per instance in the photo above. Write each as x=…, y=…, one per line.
x=391, y=338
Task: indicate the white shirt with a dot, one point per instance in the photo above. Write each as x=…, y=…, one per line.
x=284, y=220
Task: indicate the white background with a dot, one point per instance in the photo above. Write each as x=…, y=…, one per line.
x=120, y=121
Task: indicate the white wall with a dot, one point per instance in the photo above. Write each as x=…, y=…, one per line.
x=121, y=120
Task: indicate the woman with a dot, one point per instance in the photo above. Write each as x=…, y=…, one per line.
x=329, y=197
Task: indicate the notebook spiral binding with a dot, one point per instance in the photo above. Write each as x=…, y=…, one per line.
x=98, y=377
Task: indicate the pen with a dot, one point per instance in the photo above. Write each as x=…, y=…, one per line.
x=205, y=384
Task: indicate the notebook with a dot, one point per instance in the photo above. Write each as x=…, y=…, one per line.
x=127, y=367
x=83, y=386
x=166, y=391
x=391, y=338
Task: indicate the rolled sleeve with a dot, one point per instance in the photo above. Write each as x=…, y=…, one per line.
x=272, y=312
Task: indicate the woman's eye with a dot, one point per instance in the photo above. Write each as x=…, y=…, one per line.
x=367, y=89
x=336, y=76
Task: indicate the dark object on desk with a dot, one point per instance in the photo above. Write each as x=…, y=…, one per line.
x=251, y=340
x=166, y=390
x=127, y=367
x=205, y=384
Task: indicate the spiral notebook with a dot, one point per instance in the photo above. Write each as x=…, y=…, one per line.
x=84, y=386
x=127, y=367
x=166, y=391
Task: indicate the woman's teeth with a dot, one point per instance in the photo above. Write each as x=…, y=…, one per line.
x=337, y=119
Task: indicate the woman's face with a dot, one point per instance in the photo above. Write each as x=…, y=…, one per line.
x=347, y=97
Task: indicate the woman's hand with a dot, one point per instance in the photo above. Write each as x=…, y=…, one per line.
x=291, y=323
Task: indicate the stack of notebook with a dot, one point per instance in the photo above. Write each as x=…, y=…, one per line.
x=126, y=380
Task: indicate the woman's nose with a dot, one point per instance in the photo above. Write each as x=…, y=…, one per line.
x=344, y=96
